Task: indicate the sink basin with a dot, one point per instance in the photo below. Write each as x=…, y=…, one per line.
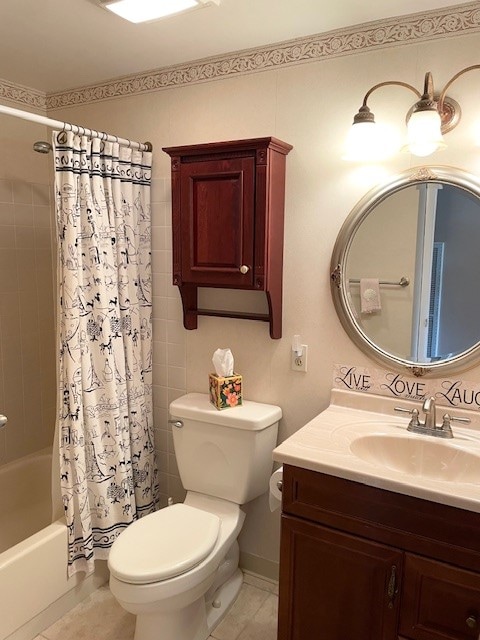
x=418, y=456
x=359, y=437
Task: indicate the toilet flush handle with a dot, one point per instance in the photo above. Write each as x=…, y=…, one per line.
x=176, y=423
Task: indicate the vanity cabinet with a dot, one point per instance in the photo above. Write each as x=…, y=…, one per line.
x=361, y=563
x=439, y=601
x=339, y=586
x=227, y=223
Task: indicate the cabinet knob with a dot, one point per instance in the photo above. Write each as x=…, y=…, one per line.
x=244, y=269
x=471, y=622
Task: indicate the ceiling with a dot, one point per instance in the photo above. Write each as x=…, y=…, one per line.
x=54, y=45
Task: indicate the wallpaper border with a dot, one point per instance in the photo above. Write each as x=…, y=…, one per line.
x=409, y=29
x=25, y=96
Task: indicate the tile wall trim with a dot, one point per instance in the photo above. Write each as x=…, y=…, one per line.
x=410, y=29
x=23, y=96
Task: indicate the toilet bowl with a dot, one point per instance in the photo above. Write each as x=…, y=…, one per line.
x=177, y=569
x=169, y=595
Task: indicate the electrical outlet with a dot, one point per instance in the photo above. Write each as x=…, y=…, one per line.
x=299, y=363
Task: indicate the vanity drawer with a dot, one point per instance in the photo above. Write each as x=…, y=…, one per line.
x=418, y=526
x=439, y=602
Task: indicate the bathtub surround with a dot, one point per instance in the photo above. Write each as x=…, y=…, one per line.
x=27, y=290
x=107, y=462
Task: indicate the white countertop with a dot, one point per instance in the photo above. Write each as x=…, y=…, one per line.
x=328, y=442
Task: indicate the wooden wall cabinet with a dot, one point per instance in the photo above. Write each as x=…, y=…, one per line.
x=360, y=563
x=227, y=222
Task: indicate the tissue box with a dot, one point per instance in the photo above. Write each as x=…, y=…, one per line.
x=225, y=392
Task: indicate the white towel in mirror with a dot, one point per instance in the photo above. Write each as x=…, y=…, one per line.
x=370, y=295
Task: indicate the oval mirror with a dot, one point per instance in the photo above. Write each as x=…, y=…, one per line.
x=405, y=272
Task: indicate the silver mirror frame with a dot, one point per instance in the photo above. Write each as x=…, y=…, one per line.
x=444, y=175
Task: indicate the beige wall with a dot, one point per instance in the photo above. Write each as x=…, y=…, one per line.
x=27, y=353
x=309, y=106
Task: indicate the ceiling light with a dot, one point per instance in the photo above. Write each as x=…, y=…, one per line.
x=429, y=118
x=147, y=10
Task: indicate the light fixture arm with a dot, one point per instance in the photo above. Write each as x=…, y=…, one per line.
x=386, y=83
x=364, y=114
x=442, y=97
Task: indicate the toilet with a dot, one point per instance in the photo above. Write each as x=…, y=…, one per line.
x=177, y=569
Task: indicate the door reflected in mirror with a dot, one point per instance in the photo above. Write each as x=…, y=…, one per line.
x=423, y=231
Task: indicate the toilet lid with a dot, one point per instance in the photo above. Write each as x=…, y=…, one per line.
x=163, y=544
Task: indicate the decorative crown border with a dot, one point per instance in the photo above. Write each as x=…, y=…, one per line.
x=404, y=30
x=21, y=95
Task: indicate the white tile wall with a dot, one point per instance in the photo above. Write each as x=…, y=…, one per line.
x=27, y=339
x=169, y=343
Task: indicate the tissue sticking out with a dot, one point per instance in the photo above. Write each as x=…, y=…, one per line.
x=223, y=362
x=225, y=385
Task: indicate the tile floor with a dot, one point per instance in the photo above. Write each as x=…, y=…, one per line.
x=252, y=617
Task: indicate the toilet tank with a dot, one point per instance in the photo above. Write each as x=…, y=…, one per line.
x=226, y=454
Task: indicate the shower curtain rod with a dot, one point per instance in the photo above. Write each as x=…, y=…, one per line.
x=67, y=126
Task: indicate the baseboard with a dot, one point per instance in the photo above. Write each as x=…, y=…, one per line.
x=261, y=567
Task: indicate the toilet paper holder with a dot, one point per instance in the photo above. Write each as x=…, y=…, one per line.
x=276, y=486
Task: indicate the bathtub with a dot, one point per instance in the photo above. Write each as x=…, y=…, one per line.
x=33, y=553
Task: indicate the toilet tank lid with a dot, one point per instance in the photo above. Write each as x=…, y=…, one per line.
x=251, y=416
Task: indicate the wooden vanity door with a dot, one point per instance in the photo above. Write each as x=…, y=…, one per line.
x=334, y=586
x=439, y=602
x=217, y=222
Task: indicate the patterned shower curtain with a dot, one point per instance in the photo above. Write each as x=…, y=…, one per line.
x=107, y=464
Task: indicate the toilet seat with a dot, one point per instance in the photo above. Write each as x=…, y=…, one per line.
x=163, y=544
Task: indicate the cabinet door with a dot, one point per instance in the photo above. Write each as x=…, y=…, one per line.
x=334, y=586
x=439, y=602
x=217, y=225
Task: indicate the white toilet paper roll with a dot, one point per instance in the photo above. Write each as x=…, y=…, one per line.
x=275, y=484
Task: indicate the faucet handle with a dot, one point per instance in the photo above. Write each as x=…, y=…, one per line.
x=447, y=419
x=446, y=426
x=414, y=422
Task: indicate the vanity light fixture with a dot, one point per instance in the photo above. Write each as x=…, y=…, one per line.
x=428, y=120
x=148, y=10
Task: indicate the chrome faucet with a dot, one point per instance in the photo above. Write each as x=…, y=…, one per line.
x=429, y=427
x=430, y=410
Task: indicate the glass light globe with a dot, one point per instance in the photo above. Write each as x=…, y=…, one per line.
x=424, y=134
x=369, y=142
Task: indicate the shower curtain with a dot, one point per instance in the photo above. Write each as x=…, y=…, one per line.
x=107, y=464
